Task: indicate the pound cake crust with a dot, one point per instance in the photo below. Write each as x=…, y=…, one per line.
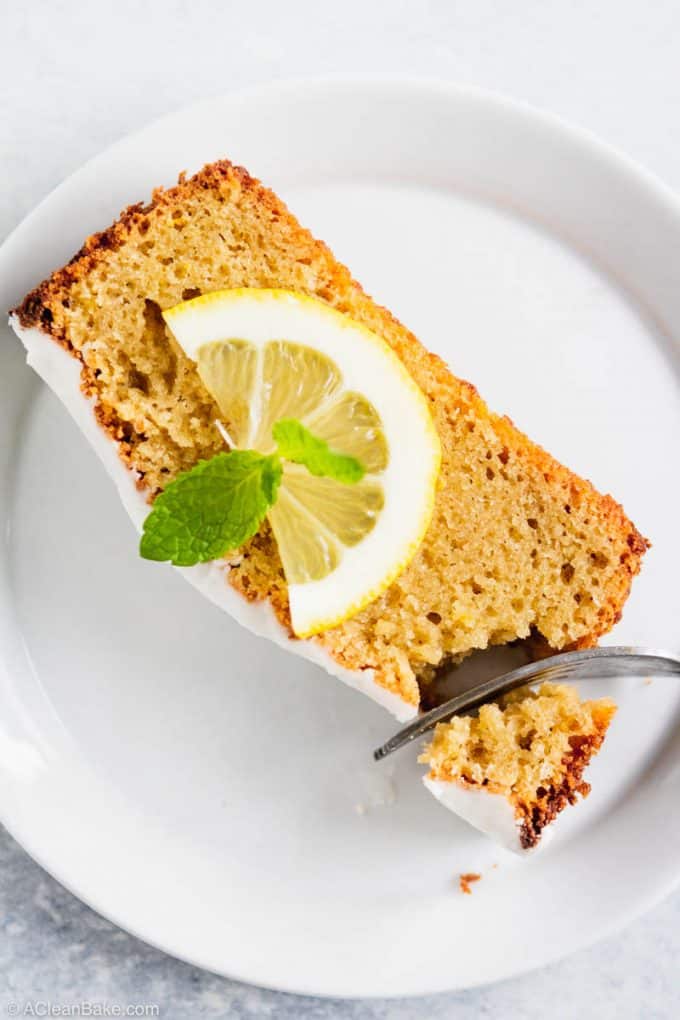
x=518, y=545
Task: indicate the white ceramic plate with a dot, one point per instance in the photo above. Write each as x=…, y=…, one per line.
x=204, y=789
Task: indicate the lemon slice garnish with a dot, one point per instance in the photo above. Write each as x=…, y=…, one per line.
x=265, y=355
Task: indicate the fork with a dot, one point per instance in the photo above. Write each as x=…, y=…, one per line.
x=591, y=664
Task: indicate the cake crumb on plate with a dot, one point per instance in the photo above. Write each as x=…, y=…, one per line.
x=466, y=880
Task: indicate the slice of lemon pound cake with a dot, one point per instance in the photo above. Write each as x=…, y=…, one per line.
x=516, y=545
x=510, y=770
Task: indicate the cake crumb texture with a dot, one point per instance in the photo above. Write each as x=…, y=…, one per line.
x=532, y=748
x=517, y=543
x=465, y=882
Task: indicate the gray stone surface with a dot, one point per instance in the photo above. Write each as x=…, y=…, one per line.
x=76, y=76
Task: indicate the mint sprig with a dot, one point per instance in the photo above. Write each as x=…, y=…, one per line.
x=220, y=503
x=297, y=443
x=216, y=506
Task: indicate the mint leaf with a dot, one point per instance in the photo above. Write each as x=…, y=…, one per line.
x=296, y=443
x=220, y=503
x=216, y=506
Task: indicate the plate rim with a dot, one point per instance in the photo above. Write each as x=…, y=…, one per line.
x=423, y=83
x=579, y=137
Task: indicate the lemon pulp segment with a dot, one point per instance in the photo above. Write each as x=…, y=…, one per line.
x=254, y=388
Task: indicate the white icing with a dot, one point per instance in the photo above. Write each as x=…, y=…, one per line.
x=61, y=372
x=491, y=813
